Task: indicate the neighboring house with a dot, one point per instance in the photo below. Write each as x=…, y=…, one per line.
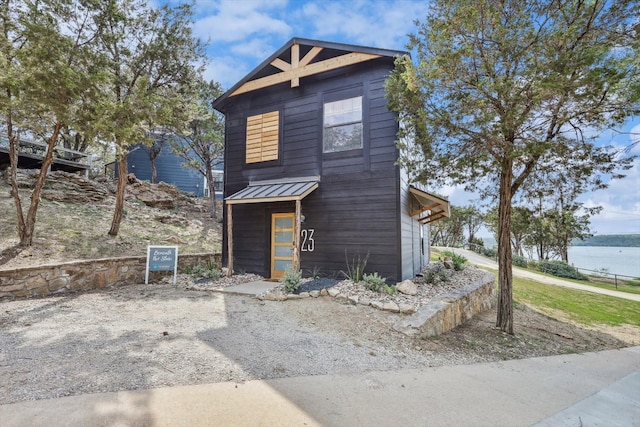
x=170, y=168
x=31, y=154
x=311, y=179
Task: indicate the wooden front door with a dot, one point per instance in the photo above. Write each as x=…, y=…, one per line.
x=282, y=232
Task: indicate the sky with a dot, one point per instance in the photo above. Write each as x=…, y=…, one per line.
x=241, y=34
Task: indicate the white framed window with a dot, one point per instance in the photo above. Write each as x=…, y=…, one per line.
x=342, y=125
x=218, y=183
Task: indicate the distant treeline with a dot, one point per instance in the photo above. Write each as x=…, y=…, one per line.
x=621, y=240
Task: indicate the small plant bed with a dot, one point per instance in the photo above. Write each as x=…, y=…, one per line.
x=316, y=284
x=373, y=291
x=195, y=282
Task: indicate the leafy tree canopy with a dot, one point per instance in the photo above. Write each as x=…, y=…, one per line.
x=500, y=88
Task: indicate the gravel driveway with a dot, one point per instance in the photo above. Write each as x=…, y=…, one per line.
x=145, y=336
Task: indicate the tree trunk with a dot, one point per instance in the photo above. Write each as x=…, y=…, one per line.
x=26, y=229
x=564, y=251
x=154, y=171
x=504, y=318
x=120, y=191
x=212, y=191
x=540, y=251
x=13, y=176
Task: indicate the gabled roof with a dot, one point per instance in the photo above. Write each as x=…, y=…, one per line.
x=300, y=58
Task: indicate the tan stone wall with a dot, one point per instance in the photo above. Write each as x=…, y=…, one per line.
x=450, y=310
x=86, y=275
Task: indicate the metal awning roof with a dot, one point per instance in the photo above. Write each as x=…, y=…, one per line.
x=281, y=190
x=436, y=206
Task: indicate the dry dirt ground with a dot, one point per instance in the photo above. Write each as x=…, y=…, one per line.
x=141, y=336
x=146, y=336
x=72, y=226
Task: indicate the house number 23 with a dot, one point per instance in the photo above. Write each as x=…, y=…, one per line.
x=308, y=244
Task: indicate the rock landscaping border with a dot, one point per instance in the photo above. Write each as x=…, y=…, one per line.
x=88, y=274
x=435, y=317
x=450, y=310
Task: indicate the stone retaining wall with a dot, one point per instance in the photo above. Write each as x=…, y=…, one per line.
x=450, y=310
x=90, y=274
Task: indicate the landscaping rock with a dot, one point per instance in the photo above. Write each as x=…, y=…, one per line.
x=407, y=287
x=391, y=306
x=406, y=308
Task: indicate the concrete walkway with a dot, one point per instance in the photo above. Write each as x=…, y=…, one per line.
x=483, y=261
x=592, y=389
x=250, y=288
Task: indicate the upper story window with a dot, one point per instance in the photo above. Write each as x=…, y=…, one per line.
x=262, y=137
x=342, y=125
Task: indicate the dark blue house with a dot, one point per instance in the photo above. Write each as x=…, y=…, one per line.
x=170, y=168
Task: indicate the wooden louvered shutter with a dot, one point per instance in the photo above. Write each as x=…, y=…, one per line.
x=262, y=137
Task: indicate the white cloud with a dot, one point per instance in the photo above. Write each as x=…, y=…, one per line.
x=230, y=21
x=226, y=70
x=257, y=48
x=635, y=135
x=620, y=203
x=382, y=24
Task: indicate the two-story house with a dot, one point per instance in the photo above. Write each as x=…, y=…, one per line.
x=311, y=179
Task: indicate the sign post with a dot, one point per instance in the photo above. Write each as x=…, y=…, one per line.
x=162, y=258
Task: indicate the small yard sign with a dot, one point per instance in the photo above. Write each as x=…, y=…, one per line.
x=162, y=258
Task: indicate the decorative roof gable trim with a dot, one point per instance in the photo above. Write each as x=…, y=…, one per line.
x=302, y=68
x=293, y=72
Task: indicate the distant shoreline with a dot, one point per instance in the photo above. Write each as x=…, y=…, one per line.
x=608, y=240
x=604, y=240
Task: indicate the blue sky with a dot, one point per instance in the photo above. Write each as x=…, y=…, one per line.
x=243, y=33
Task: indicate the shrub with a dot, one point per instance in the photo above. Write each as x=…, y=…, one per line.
x=390, y=290
x=374, y=282
x=291, y=280
x=436, y=272
x=457, y=259
x=476, y=245
x=314, y=273
x=561, y=269
x=490, y=252
x=355, y=269
x=519, y=261
x=209, y=271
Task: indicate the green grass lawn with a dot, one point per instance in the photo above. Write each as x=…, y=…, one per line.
x=629, y=286
x=580, y=306
x=586, y=308
x=622, y=286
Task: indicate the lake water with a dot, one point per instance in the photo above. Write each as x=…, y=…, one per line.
x=617, y=260
x=623, y=261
